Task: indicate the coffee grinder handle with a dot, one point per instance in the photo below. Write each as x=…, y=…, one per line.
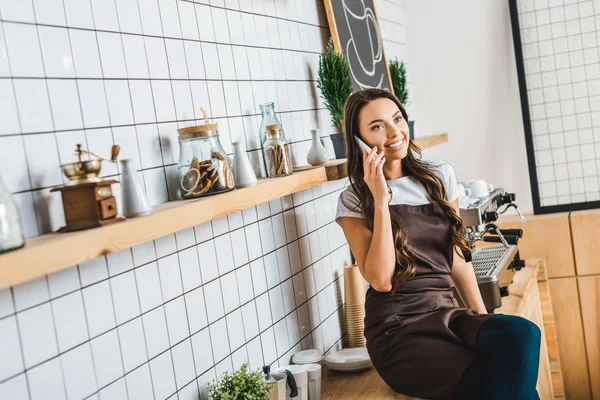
x=114, y=152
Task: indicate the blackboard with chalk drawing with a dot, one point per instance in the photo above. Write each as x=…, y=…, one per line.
x=355, y=32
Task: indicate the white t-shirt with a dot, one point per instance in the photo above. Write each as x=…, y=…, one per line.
x=405, y=190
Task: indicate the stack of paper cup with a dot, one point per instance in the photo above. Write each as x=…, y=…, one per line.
x=354, y=293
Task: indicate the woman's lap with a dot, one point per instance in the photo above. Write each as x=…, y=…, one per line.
x=405, y=370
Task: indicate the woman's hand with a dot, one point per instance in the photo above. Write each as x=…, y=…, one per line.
x=373, y=167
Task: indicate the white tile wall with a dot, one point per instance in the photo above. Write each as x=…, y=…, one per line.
x=164, y=318
x=561, y=52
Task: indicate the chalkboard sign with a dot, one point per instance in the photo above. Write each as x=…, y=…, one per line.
x=355, y=32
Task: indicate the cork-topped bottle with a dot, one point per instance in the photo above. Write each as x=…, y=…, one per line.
x=277, y=152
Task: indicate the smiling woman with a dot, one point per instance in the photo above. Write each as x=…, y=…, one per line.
x=400, y=218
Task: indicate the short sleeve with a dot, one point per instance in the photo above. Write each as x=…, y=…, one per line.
x=449, y=177
x=348, y=205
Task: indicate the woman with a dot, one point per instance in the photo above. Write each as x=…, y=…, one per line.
x=400, y=217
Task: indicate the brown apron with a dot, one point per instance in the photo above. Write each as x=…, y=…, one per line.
x=419, y=340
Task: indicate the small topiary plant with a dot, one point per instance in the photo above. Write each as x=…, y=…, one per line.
x=334, y=83
x=242, y=384
x=398, y=74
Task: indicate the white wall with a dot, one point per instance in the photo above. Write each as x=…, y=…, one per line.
x=162, y=319
x=391, y=22
x=462, y=66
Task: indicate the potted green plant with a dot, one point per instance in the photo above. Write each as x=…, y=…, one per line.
x=398, y=75
x=336, y=86
x=242, y=384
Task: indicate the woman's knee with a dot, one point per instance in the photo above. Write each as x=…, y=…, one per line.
x=522, y=337
x=517, y=331
x=522, y=329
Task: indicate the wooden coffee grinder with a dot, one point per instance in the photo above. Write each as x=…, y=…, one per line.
x=88, y=201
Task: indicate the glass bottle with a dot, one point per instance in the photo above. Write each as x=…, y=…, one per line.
x=11, y=231
x=203, y=167
x=277, y=152
x=268, y=117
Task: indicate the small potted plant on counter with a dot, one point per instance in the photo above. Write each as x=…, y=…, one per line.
x=241, y=384
x=336, y=86
x=398, y=75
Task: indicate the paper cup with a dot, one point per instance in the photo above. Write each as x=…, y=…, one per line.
x=356, y=334
x=354, y=285
x=355, y=307
x=355, y=314
x=355, y=318
x=350, y=311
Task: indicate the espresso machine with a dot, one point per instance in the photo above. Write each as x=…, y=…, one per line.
x=494, y=265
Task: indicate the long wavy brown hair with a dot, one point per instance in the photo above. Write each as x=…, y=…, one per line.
x=413, y=165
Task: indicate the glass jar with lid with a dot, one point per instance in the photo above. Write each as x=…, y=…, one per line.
x=203, y=168
x=268, y=117
x=277, y=153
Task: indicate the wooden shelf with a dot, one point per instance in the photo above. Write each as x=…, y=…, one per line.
x=431, y=141
x=53, y=252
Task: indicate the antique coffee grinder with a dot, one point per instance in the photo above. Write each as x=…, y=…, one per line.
x=88, y=201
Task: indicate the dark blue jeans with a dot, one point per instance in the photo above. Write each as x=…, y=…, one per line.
x=506, y=364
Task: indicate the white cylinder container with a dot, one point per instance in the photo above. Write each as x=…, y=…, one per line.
x=134, y=202
x=242, y=168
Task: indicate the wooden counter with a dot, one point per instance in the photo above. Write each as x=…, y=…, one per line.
x=363, y=385
x=524, y=300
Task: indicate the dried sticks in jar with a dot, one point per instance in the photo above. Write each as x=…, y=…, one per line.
x=278, y=160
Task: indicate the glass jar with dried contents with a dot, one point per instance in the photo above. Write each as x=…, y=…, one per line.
x=203, y=168
x=277, y=152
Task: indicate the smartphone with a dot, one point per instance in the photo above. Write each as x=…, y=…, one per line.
x=362, y=144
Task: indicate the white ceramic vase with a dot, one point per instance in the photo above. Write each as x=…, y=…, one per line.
x=243, y=172
x=134, y=202
x=317, y=154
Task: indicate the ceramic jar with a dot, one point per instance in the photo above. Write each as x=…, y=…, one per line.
x=317, y=154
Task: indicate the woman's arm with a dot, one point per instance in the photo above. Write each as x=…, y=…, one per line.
x=374, y=251
x=465, y=281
